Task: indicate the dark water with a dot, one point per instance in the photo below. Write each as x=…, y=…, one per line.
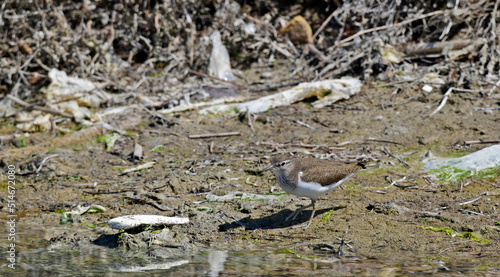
x=210, y=262
x=35, y=259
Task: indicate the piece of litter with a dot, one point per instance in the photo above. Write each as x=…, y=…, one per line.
x=427, y=88
x=132, y=221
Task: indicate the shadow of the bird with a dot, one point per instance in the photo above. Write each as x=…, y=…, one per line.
x=276, y=220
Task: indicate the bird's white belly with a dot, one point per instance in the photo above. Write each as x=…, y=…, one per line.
x=311, y=189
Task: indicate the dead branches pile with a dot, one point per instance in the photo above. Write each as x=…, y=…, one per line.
x=148, y=47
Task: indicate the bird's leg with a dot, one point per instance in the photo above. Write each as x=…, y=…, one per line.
x=298, y=211
x=312, y=215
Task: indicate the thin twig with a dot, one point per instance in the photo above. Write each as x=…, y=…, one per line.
x=342, y=241
x=482, y=141
x=294, y=145
x=44, y=161
x=227, y=134
x=368, y=140
x=38, y=108
x=163, y=132
x=250, y=121
x=468, y=202
x=324, y=24
x=395, y=157
x=443, y=102
x=389, y=26
x=300, y=122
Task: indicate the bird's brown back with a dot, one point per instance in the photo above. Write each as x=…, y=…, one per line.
x=326, y=172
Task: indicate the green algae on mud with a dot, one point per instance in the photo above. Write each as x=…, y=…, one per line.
x=451, y=233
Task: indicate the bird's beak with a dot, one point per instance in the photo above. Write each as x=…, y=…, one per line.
x=267, y=168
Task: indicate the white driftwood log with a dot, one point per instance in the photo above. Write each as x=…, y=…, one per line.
x=132, y=221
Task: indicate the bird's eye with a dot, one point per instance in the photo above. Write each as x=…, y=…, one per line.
x=283, y=164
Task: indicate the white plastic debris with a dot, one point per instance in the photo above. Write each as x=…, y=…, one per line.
x=483, y=163
x=132, y=221
x=220, y=65
x=427, y=88
x=72, y=94
x=64, y=87
x=327, y=91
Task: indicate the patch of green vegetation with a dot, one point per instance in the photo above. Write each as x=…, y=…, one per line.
x=326, y=216
x=238, y=254
x=205, y=209
x=451, y=233
x=89, y=225
x=120, y=235
x=158, y=148
x=369, y=172
x=243, y=57
x=60, y=211
x=94, y=210
x=498, y=223
x=352, y=190
x=20, y=142
x=444, y=259
x=109, y=140
x=119, y=168
x=457, y=153
x=454, y=174
x=434, y=147
x=277, y=192
x=481, y=267
x=312, y=257
x=286, y=251
x=243, y=237
x=233, y=110
x=65, y=218
x=73, y=177
x=6, y=125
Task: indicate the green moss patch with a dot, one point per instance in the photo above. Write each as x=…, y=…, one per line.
x=454, y=174
x=451, y=233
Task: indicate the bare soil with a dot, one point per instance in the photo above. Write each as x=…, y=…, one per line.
x=383, y=220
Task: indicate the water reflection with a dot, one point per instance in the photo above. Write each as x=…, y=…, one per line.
x=216, y=259
x=211, y=262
